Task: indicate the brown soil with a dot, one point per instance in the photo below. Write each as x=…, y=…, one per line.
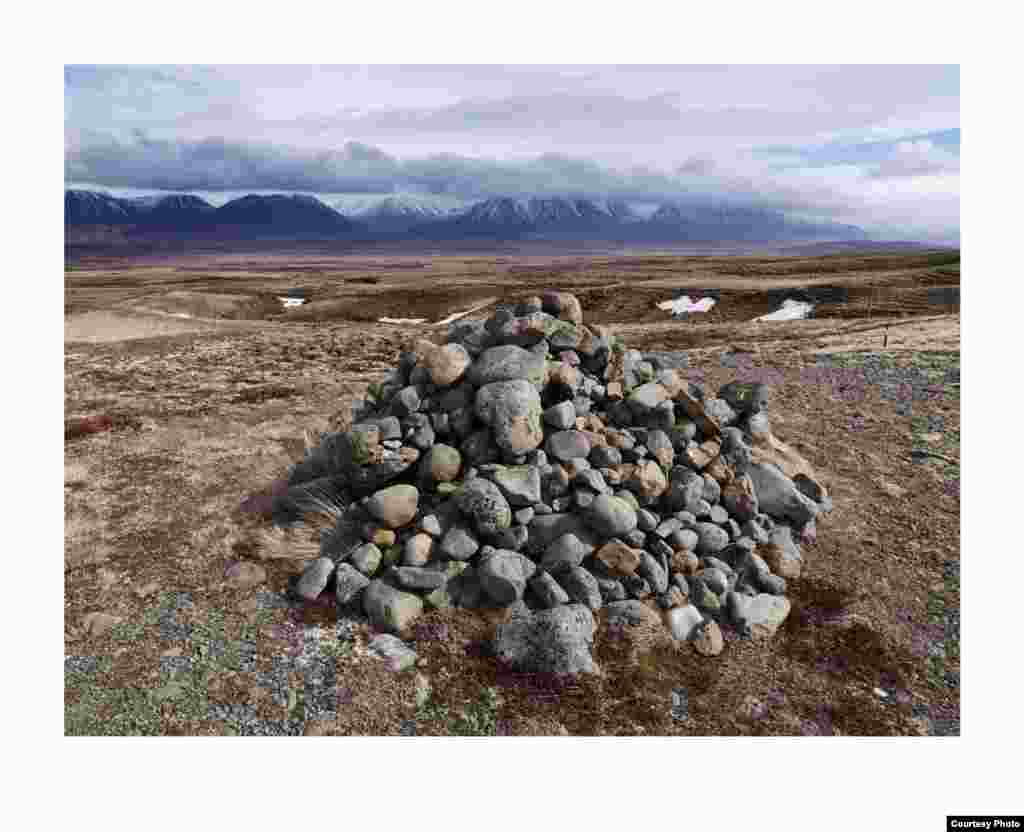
x=204, y=412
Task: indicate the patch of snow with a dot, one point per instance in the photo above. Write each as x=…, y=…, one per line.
x=684, y=305
x=291, y=301
x=402, y=320
x=791, y=310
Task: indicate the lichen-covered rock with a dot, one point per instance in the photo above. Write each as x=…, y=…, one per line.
x=513, y=411
x=395, y=506
x=611, y=516
x=554, y=641
x=507, y=363
x=390, y=609
x=482, y=502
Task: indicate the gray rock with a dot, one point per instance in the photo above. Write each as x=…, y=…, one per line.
x=415, y=577
x=583, y=499
x=611, y=589
x=459, y=543
x=390, y=609
x=605, y=456
x=745, y=397
x=506, y=363
x=717, y=581
x=660, y=548
x=520, y=484
x=349, y=583
x=549, y=641
x=430, y=524
x=684, y=622
x=759, y=616
x=593, y=480
x=398, y=655
x=512, y=409
x=711, y=539
x=514, y=538
x=561, y=416
x=712, y=490
x=758, y=528
x=482, y=502
x=581, y=586
x=635, y=538
x=568, y=550
x=547, y=590
x=646, y=520
x=568, y=444
x=546, y=528
x=524, y=516
x=406, y=401
x=479, y=448
x=652, y=572
x=667, y=527
x=611, y=516
x=314, y=579
x=718, y=515
x=719, y=410
x=778, y=496
x=684, y=539
x=366, y=558
x=419, y=432
x=503, y=575
x=636, y=587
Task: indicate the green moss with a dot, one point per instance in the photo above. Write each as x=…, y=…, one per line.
x=360, y=448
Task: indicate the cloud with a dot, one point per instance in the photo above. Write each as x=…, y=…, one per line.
x=916, y=158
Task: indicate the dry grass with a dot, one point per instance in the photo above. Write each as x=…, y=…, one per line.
x=206, y=418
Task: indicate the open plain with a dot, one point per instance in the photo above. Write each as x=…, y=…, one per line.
x=211, y=388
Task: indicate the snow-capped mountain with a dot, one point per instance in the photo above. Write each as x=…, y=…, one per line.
x=97, y=208
x=398, y=212
x=538, y=214
x=415, y=217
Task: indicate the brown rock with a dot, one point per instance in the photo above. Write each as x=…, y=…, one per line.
x=446, y=364
x=695, y=410
x=564, y=374
x=613, y=391
x=619, y=558
x=649, y=479
x=593, y=424
x=564, y=306
x=699, y=457
x=676, y=597
x=721, y=471
x=779, y=561
x=673, y=382
x=684, y=562
x=709, y=641
x=766, y=448
x=417, y=549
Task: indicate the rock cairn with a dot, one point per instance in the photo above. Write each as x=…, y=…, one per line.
x=535, y=463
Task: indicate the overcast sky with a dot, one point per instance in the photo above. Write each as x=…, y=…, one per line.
x=878, y=146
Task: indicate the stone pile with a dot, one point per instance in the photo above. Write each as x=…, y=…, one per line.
x=532, y=462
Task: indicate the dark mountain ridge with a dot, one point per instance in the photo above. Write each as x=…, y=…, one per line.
x=499, y=218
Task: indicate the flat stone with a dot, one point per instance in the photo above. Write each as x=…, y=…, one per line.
x=549, y=641
x=561, y=416
x=568, y=550
x=459, y=543
x=520, y=484
x=568, y=444
x=413, y=577
x=395, y=652
x=618, y=558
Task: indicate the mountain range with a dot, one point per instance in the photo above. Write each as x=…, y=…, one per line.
x=409, y=217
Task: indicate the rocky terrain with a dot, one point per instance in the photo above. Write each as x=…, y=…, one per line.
x=188, y=434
